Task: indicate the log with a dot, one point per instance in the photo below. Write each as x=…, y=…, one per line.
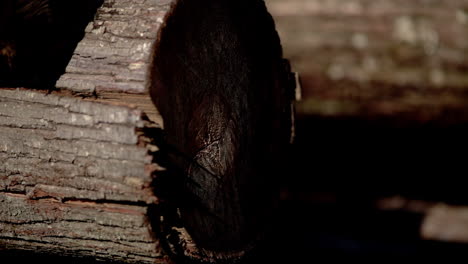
x=440, y=221
x=446, y=223
x=200, y=89
x=76, y=178
x=230, y=128
x=399, y=61
x=116, y=50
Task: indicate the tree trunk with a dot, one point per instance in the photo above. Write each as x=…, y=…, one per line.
x=222, y=91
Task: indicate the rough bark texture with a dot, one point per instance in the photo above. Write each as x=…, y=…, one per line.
x=115, y=52
x=76, y=178
x=365, y=58
x=216, y=72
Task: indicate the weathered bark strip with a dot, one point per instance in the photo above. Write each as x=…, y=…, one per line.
x=115, y=52
x=76, y=177
x=106, y=231
x=372, y=59
x=90, y=149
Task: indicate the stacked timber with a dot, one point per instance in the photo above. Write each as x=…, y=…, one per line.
x=399, y=61
x=163, y=135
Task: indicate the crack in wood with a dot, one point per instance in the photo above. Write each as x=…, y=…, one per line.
x=94, y=249
x=33, y=222
x=118, y=242
x=102, y=204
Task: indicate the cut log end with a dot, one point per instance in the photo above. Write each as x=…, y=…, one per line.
x=215, y=72
x=218, y=80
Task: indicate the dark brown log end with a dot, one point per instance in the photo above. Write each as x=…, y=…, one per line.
x=219, y=82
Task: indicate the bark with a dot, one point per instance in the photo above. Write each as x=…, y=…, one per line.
x=217, y=76
x=403, y=60
x=223, y=94
x=76, y=178
x=115, y=53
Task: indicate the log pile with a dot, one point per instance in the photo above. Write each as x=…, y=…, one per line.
x=394, y=60
x=160, y=133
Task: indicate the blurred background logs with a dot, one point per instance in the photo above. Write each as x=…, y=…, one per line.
x=378, y=165
x=379, y=160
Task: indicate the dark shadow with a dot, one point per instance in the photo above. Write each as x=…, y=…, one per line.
x=371, y=157
x=339, y=167
x=41, y=37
